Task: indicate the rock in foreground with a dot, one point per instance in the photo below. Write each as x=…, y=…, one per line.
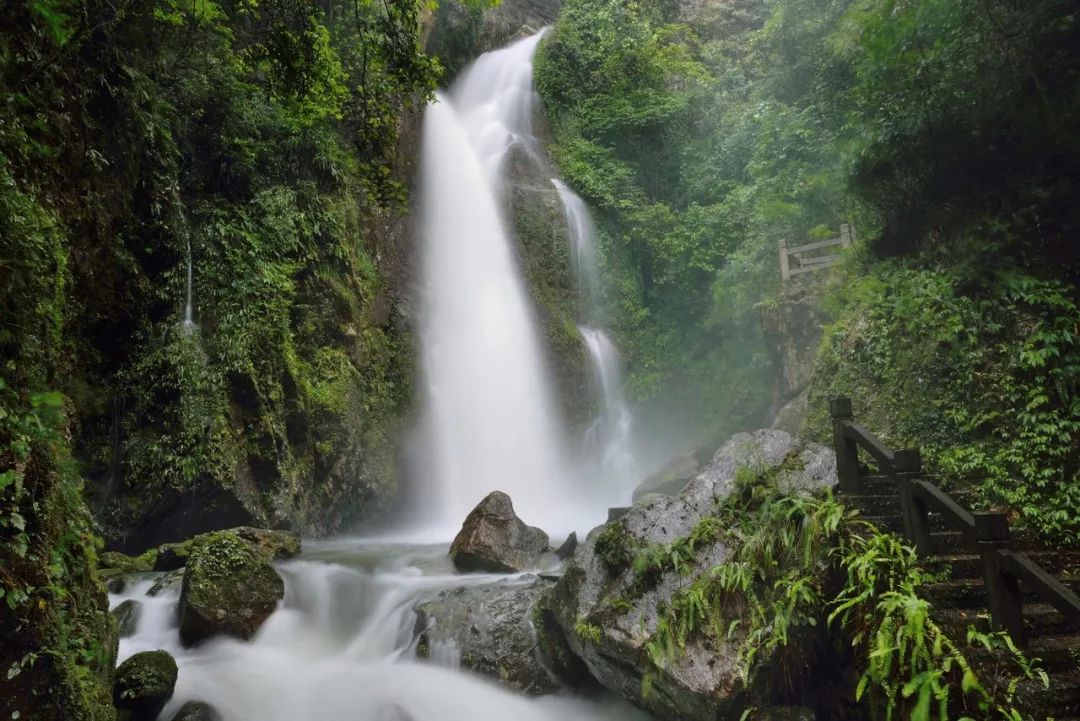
x=490, y=627
x=228, y=588
x=144, y=683
x=494, y=539
x=608, y=613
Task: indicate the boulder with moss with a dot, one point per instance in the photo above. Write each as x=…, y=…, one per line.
x=610, y=603
x=269, y=544
x=114, y=560
x=144, y=684
x=228, y=589
x=494, y=539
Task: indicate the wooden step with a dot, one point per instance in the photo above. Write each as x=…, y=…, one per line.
x=895, y=523
x=948, y=542
x=1040, y=619
x=876, y=484
x=969, y=565
x=971, y=593
x=1061, y=699
x=873, y=504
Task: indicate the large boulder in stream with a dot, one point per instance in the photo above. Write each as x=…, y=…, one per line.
x=608, y=614
x=490, y=629
x=228, y=588
x=144, y=683
x=494, y=539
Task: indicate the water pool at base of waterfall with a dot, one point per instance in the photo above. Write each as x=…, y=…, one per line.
x=341, y=646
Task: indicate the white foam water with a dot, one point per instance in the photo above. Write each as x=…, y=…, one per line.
x=341, y=647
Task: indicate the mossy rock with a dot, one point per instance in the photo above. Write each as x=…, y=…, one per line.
x=270, y=545
x=144, y=683
x=228, y=588
x=116, y=561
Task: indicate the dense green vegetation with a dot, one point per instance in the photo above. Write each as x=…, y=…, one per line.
x=945, y=131
x=257, y=140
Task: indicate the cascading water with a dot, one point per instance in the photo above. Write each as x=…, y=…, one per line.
x=610, y=432
x=490, y=421
x=609, y=435
x=341, y=647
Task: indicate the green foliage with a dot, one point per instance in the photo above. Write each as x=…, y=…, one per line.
x=773, y=597
x=981, y=375
x=912, y=664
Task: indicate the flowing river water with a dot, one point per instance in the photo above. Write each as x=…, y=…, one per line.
x=341, y=647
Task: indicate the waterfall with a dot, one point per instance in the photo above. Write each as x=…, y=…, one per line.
x=189, y=311
x=489, y=418
x=609, y=436
x=582, y=250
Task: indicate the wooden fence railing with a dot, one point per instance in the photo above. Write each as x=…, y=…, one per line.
x=802, y=258
x=985, y=533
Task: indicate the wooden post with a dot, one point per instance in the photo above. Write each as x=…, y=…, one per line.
x=907, y=464
x=847, y=453
x=1002, y=588
x=845, y=235
x=785, y=269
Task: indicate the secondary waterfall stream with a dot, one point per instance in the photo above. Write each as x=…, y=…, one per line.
x=608, y=440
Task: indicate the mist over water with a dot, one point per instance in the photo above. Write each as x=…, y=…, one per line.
x=489, y=418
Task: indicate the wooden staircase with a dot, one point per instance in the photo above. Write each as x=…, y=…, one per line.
x=986, y=578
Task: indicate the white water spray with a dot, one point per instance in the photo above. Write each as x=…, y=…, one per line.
x=490, y=421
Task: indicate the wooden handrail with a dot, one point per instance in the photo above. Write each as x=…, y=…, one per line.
x=872, y=445
x=1048, y=588
x=956, y=516
x=986, y=533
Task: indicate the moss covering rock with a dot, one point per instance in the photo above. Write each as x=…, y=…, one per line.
x=611, y=604
x=228, y=588
x=270, y=545
x=144, y=683
x=128, y=564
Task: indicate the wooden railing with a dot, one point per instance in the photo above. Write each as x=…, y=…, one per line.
x=795, y=260
x=985, y=533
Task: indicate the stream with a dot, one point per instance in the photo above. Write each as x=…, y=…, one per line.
x=341, y=645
